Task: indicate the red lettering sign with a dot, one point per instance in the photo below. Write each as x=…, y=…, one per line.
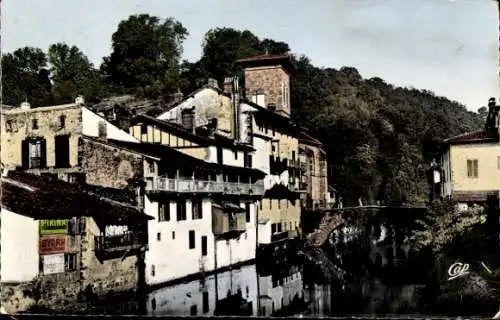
x=52, y=244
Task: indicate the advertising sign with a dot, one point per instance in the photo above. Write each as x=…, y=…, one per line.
x=53, y=227
x=53, y=263
x=52, y=244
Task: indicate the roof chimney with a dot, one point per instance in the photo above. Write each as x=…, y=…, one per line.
x=79, y=100
x=188, y=119
x=212, y=83
x=493, y=119
x=228, y=85
x=25, y=105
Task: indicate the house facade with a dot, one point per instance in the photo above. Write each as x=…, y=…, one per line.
x=470, y=164
x=203, y=199
x=71, y=245
x=48, y=139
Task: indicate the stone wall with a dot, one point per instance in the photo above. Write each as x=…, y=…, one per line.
x=269, y=81
x=108, y=166
x=17, y=125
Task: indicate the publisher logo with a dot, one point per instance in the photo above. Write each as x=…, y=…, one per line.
x=457, y=269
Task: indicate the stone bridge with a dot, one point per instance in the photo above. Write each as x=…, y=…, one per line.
x=333, y=220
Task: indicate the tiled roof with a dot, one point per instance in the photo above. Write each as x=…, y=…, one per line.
x=473, y=196
x=474, y=137
x=188, y=135
x=42, y=197
x=264, y=57
x=267, y=59
x=279, y=191
x=181, y=159
x=307, y=139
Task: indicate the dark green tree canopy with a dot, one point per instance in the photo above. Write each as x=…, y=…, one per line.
x=26, y=77
x=73, y=74
x=146, y=54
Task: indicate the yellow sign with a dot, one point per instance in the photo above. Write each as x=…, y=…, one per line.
x=53, y=227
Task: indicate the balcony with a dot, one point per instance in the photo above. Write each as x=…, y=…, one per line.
x=203, y=186
x=120, y=243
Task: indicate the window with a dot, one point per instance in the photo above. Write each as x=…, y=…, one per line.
x=194, y=310
x=101, y=130
x=260, y=204
x=173, y=235
x=247, y=159
x=34, y=153
x=150, y=166
x=219, y=155
x=279, y=227
x=76, y=225
x=34, y=124
x=181, y=210
x=153, y=270
x=76, y=177
x=164, y=211
x=247, y=212
x=205, y=302
x=158, y=236
x=472, y=168
x=204, y=248
x=273, y=228
x=191, y=239
x=144, y=129
x=197, y=208
x=70, y=262
x=8, y=126
x=62, y=121
x=235, y=155
x=279, y=203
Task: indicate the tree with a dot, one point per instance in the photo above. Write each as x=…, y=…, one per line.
x=25, y=77
x=146, y=54
x=223, y=46
x=73, y=74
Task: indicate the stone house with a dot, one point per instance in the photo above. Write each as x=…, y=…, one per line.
x=47, y=139
x=203, y=197
x=76, y=242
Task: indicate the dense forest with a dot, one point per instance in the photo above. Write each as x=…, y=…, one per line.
x=379, y=137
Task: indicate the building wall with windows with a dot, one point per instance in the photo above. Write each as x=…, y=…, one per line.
x=47, y=138
x=475, y=167
x=176, y=239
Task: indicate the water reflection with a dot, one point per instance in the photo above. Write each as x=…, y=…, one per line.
x=240, y=291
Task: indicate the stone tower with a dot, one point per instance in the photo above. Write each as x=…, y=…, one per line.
x=267, y=81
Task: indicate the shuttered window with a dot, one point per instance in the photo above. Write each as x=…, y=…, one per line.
x=472, y=168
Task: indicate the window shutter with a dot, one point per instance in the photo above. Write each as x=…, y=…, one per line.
x=469, y=168
x=476, y=168
x=43, y=153
x=25, y=154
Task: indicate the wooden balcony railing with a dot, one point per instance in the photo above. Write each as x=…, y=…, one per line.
x=123, y=242
x=203, y=186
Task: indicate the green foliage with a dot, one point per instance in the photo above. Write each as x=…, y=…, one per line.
x=146, y=54
x=446, y=230
x=379, y=138
x=223, y=46
x=25, y=77
x=73, y=74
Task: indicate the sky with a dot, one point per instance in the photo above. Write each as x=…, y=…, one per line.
x=450, y=47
